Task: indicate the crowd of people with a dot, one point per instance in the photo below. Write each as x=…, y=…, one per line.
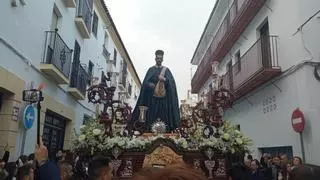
x=66, y=166
x=273, y=167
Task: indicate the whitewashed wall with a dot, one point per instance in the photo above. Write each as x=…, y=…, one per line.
x=299, y=89
x=24, y=28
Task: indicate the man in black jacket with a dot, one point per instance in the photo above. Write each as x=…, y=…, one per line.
x=100, y=168
x=47, y=170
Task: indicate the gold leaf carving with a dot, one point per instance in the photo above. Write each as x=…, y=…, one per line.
x=163, y=156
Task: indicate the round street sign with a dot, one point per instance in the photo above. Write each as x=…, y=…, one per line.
x=29, y=116
x=297, y=120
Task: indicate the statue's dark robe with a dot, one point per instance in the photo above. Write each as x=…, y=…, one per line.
x=166, y=108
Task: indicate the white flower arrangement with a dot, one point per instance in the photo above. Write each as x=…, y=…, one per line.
x=93, y=140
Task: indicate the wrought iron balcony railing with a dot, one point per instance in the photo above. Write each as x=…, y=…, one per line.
x=258, y=65
x=106, y=53
x=57, y=53
x=79, y=78
x=84, y=10
x=123, y=79
x=239, y=15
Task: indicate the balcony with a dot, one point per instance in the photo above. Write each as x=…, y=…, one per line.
x=84, y=17
x=122, y=81
x=235, y=22
x=129, y=91
x=106, y=53
x=257, y=66
x=78, y=84
x=57, y=58
x=69, y=3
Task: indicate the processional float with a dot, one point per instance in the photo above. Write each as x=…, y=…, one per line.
x=156, y=148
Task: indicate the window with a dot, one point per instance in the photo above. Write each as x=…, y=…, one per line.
x=75, y=65
x=90, y=72
x=56, y=17
x=115, y=56
x=86, y=118
x=130, y=89
x=53, y=132
x=95, y=24
x=106, y=40
x=238, y=61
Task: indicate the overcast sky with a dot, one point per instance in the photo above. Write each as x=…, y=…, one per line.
x=147, y=25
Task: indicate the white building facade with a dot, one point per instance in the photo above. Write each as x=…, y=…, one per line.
x=267, y=55
x=66, y=45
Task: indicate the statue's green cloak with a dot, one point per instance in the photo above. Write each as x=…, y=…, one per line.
x=165, y=108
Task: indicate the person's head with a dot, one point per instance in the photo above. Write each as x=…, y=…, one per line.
x=297, y=161
x=59, y=153
x=11, y=168
x=284, y=159
x=65, y=170
x=100, y=168
x=176, y=172
x=22, y=160
x=31, y=157
x=247, y=162
x=2, y=164
x=25, y=173
x=159, y=57
x=289, y=167
x=255, y=165
x=250, y=157
x=276, y=160
x=305, y=173
x=238, y=171
x=69, y=156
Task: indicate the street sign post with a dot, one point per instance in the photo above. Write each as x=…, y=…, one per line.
x=34, y=96
x=298, y=123
x=29, y=116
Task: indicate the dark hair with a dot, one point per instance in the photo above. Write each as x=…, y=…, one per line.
x=23, y=171
x=276, y=156
x=69, y=157
x=96, y=165
x=298, y=158
x=66, y=168
x=11, y=168
x=249, y=157
x=159, y=52
x=31, y=157
x=257, y=162
x=238, y=172
x=23, y=159
x=305, y=173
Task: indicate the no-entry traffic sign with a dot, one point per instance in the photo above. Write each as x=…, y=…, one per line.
x=297, y=120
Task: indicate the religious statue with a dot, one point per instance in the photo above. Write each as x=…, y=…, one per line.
x=159, y=94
